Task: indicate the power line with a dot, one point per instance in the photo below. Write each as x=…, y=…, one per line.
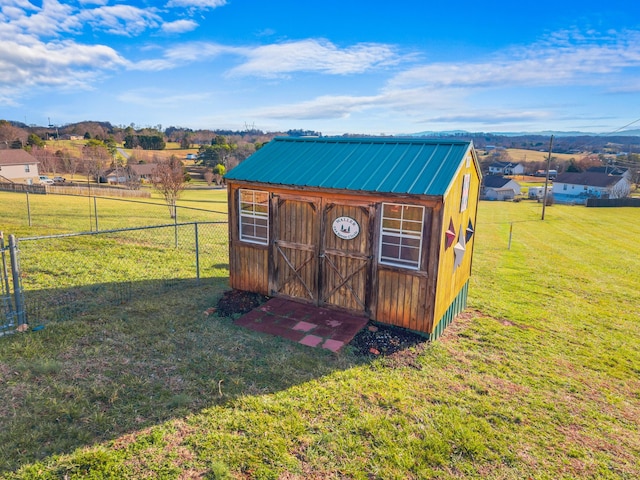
x=619, y=129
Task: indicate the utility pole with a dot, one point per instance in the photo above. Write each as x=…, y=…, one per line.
x=546, y=179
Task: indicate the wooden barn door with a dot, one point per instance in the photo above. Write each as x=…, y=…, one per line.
x=345, y=262
x=295, y=248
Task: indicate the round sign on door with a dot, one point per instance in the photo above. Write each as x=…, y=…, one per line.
x=346, y=228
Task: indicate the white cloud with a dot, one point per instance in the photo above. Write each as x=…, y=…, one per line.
x=65, y=65
x=281, y=59
x=490, y=117
x=196, y=4
x=321, y=107
x=160, y=98
x=313, y=56
x=183, y=54
x=121, y=19
x=179, y=26
x=49, y=20
x=562, y=59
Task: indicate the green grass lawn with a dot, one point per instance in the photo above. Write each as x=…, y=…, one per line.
x=540, y=377
x=53, y=214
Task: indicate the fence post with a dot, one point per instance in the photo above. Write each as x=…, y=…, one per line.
x=95, y=210
x=197, y=254
x=5, y=292
x=175, y=223
x=15, y=272
x=28, y=207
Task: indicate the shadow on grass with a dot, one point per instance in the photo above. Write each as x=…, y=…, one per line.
x=116, y=358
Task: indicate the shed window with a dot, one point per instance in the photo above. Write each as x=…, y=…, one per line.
x=464, y=201
x=26, y=169
x=401, y=235
x=254, y=216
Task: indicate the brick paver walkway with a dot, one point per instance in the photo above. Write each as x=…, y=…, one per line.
x=305, y=324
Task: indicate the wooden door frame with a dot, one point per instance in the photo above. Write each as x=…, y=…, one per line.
x=370, y=210
x=275, y=218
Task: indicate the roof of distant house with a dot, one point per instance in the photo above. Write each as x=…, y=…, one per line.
x=495, y=181
x=144, y=168
x=503, y=164
x=608, y=169
x=16, y=156
x=590, y=179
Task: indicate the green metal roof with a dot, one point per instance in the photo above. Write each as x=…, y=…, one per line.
x=372, y=164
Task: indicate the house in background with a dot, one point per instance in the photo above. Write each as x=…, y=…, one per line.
x=380, y=227
x=576, y=187
x=506, y=168
x=140, y=171
x=611, y=170
x=496, y=187
x=18, y=166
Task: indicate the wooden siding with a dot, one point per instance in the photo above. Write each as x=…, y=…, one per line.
x=248, y=268
x=451, y=280
x=402, y=299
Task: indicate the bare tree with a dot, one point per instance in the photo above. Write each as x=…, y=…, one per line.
x=168, y=179
x=133, y=181
x=96, y=157
x=208, y=176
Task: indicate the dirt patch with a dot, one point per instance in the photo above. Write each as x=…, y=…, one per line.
x=238, y=302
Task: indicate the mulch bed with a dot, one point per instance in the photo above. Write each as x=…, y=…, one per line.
x=237, y=302
x=375, y=340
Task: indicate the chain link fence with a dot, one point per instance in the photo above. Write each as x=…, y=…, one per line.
x=68, y=275
x=80, y=212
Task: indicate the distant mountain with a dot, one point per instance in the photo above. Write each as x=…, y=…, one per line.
x=544, y=133
x=629, y=133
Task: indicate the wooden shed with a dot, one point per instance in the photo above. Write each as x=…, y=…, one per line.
x=382, y=227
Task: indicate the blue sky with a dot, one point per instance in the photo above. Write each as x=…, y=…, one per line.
x=333, y=66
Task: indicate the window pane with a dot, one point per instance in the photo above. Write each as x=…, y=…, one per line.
x=390, y=251
x=413, y=213
x=391, y=239
x=261, y=197
x=411, y=254
x=388, y=224
x=412, y=226
x=411, y=242
x=263, y=209
x=390, y=210
x=247, y=230
x=261, y=232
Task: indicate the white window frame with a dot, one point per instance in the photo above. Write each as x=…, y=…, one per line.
x=251, y=217
x=401, y=234
x=464, y=200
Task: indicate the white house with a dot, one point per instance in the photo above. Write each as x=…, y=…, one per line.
x=537, y=193
x=141, y=171
x=506, y=168
x=576, y=187
x=495, y=187
x=18, y=166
